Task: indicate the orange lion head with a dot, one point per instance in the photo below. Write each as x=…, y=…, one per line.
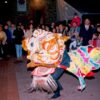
x=44, y=48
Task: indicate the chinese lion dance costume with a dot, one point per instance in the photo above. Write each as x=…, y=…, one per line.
x=47, y=54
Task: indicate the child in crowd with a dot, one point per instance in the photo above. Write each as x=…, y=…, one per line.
x=75, y=42
x=96, y=37
x=74, y=34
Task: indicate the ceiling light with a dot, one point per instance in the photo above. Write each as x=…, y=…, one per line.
x=6, y=1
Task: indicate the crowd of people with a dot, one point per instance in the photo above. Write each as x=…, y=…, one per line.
x=81, y=32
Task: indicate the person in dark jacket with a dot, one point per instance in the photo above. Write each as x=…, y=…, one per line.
x=19, y=35
x=86, y=32
x=9, y=40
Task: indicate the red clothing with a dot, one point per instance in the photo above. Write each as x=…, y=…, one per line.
x=94, y=43
x=76, y=20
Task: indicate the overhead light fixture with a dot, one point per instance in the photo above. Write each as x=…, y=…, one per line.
x=37, y=4
x=6, y=1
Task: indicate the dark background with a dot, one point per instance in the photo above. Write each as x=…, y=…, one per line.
x=8, y=10
x=89, y=6
x=89, y=9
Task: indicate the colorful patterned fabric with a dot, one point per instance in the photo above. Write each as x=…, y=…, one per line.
x=84, y=60
x=46, y=49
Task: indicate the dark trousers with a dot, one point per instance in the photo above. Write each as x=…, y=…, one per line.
x=58, y=73
x=3, y=50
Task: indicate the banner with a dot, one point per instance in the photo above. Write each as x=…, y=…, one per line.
x=21, y=6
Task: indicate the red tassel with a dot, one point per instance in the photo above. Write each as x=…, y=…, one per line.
x=90, y=74
x=89, y=49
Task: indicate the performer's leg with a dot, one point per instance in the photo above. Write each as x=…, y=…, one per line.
x=58, y=73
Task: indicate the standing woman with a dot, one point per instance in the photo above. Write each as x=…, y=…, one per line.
x=19, y=35
x=3, y=39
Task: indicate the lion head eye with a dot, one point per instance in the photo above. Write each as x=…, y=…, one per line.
x=32, y=44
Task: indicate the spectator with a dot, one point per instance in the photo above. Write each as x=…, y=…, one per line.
x=3, y=39
x=54, y=30
x=9, y=40
x=74, y=34
x=61, y=29
x=66, y=31
x=96, y=37
x=47, y=28
x=29, y=30
x=13, y=27
x=52, y=25
x=74, y=29
x=9, y=24
x=19, y=35
x=76, y=19
x=57, y=28
x=86, y=32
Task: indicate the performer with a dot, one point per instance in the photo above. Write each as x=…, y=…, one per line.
x=47, y=54
x=59, y=72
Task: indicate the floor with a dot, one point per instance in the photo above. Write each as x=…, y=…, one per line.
x=15, y=79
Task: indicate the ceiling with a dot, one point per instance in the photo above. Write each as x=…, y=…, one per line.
x=88, y=6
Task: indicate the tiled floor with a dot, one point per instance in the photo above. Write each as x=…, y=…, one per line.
x=8, y=84
x=15, y=79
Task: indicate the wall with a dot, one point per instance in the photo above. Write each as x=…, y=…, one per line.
x=50, y=12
